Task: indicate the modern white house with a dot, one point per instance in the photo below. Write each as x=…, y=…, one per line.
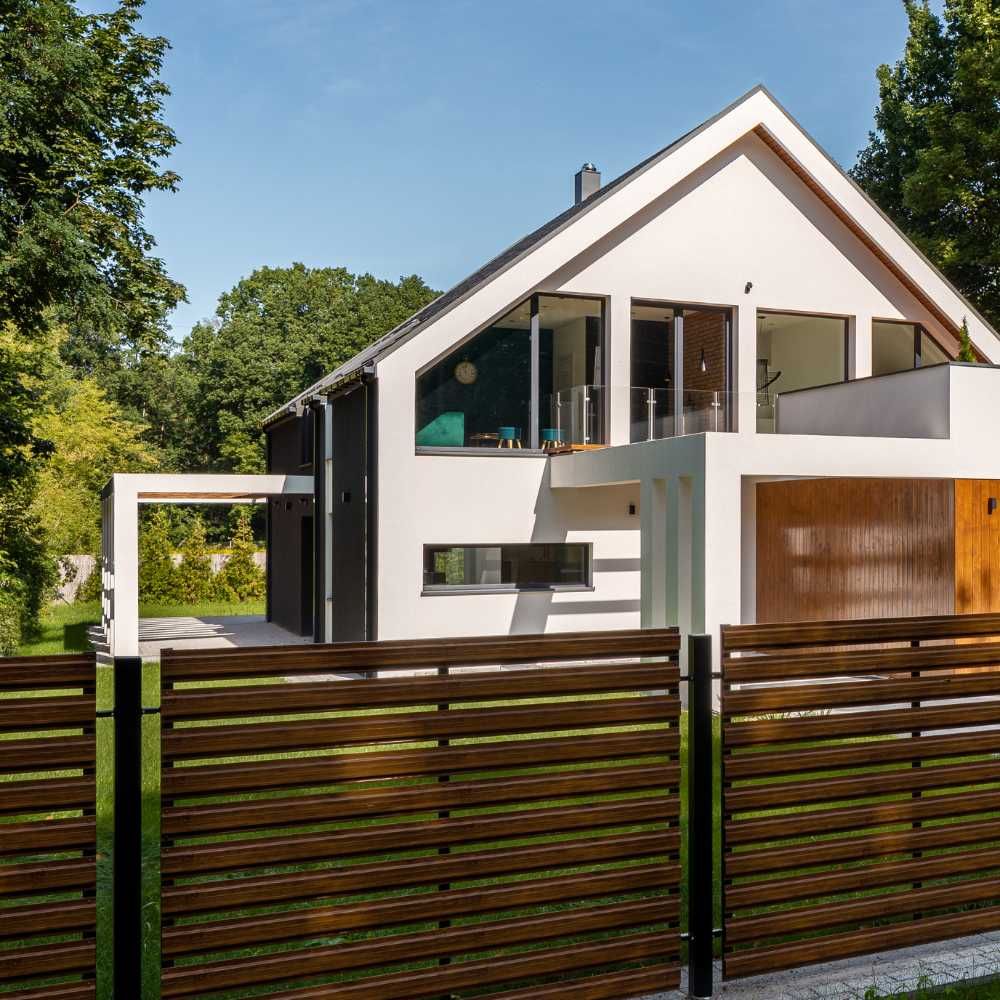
x=715, y=390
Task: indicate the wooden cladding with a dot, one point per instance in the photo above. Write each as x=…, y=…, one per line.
x=48, y=840
x=424, y=822
x=859, y=548
x=846, y=829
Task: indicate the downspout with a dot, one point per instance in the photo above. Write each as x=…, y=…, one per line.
x=371, y=504
x=318, y=409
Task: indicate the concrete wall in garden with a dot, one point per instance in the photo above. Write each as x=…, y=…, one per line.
x=70, y=582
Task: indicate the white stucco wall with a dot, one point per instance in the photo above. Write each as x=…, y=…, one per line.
x=721, y=211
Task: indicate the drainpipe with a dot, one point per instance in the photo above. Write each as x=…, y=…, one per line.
x=318, y=409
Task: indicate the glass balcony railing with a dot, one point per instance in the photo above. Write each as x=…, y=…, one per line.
x=572, y=416
x=665, y=413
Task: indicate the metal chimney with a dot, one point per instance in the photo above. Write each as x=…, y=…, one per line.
x=588, y=182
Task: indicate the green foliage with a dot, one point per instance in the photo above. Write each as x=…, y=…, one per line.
x=931, y=162
x=158, y=577
x=91, y=440
x=23, y=553
x=240, y=578
x=81, y=140
x=90, y=589
x=276, y=332
x=12, y=601
x=966, y=352
x=194, y=574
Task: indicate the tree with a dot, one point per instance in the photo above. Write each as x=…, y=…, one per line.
x=933, y=161
x=966, y=352
x=276, y=332
x=240, y=578
x=157, y=573
x=81, y=140
x=194, y=575
x=91, y=440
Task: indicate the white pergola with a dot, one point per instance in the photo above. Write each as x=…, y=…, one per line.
x=120, y=502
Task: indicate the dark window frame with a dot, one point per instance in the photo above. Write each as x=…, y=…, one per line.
x=433, y=589
x=535, y=389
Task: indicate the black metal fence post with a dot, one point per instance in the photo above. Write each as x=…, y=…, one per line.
x=701, y=835
x=127, y=855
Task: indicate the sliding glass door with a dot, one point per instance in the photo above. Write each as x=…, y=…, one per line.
x=681, y=370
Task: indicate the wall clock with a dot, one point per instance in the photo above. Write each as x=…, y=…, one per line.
x=466, y=372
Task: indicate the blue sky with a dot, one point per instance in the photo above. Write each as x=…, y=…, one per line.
x=401, y=136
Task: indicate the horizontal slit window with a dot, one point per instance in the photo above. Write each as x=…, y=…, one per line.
x=532, y=566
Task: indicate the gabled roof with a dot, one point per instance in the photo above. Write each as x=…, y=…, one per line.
x=523, y=247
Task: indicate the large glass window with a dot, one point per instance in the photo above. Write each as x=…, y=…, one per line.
x=533, y=379
x=532, y=566
x=898, y=347
x=796, y=352
x=695, y=340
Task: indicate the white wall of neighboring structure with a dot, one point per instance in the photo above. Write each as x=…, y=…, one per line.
x=724, y=221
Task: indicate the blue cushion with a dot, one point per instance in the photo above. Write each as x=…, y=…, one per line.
x=444, y=431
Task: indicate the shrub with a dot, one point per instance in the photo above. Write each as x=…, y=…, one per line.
x=90, y=589
x=158, y=577
x=11, y=610
x=240, y=578
x=194, y=575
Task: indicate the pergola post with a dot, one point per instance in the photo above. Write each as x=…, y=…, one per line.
x=123, y=636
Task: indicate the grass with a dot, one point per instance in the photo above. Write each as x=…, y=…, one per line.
x=64, y=626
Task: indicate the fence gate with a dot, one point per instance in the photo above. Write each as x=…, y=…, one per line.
x=48, y=839
x=392, y=821
x=860, y=783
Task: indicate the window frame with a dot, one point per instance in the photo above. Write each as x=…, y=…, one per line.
x=919, y=332
x=534, y=409
x=439, y=589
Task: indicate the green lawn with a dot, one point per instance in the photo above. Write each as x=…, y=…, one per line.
x=64, y=626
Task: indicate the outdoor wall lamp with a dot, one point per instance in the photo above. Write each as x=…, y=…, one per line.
x=747, y=287
x=991, y=505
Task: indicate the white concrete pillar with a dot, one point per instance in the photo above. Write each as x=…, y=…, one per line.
x=720, y=554
x=681, y=515
x=618, y=377
x=745, y=356
x=859, y=340
x=124, y=637
x=653, y=553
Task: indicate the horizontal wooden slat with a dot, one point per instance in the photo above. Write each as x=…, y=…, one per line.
x=47, y=794
x=203, y=741
x=235, y=854
x=738, y=734
x=855, y=911
x=857, y=631
x=84, y=990
x=387, y=951
x=413, y=985
x=842, y=849
x=46, y=959
x=790, y=698
x=219, y=935
x=42, y=837
x=35, y=673
x=47, y=713
x=275, y=699
x=821, y=821
x=48, y=918
x=771, y=764
x=47, y=753
x=42, y=876
x=788, y=888
x=258, y=814
x=845, y=663
x=788, y=794
x=285, y=773
x=232, y=894
x=870, y=940
x=177, y=665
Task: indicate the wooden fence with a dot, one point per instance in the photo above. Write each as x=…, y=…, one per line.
x=48, y=837
x=861, y=784
x=425, y=827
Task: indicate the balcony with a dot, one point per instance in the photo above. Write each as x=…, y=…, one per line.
x=667, y=413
